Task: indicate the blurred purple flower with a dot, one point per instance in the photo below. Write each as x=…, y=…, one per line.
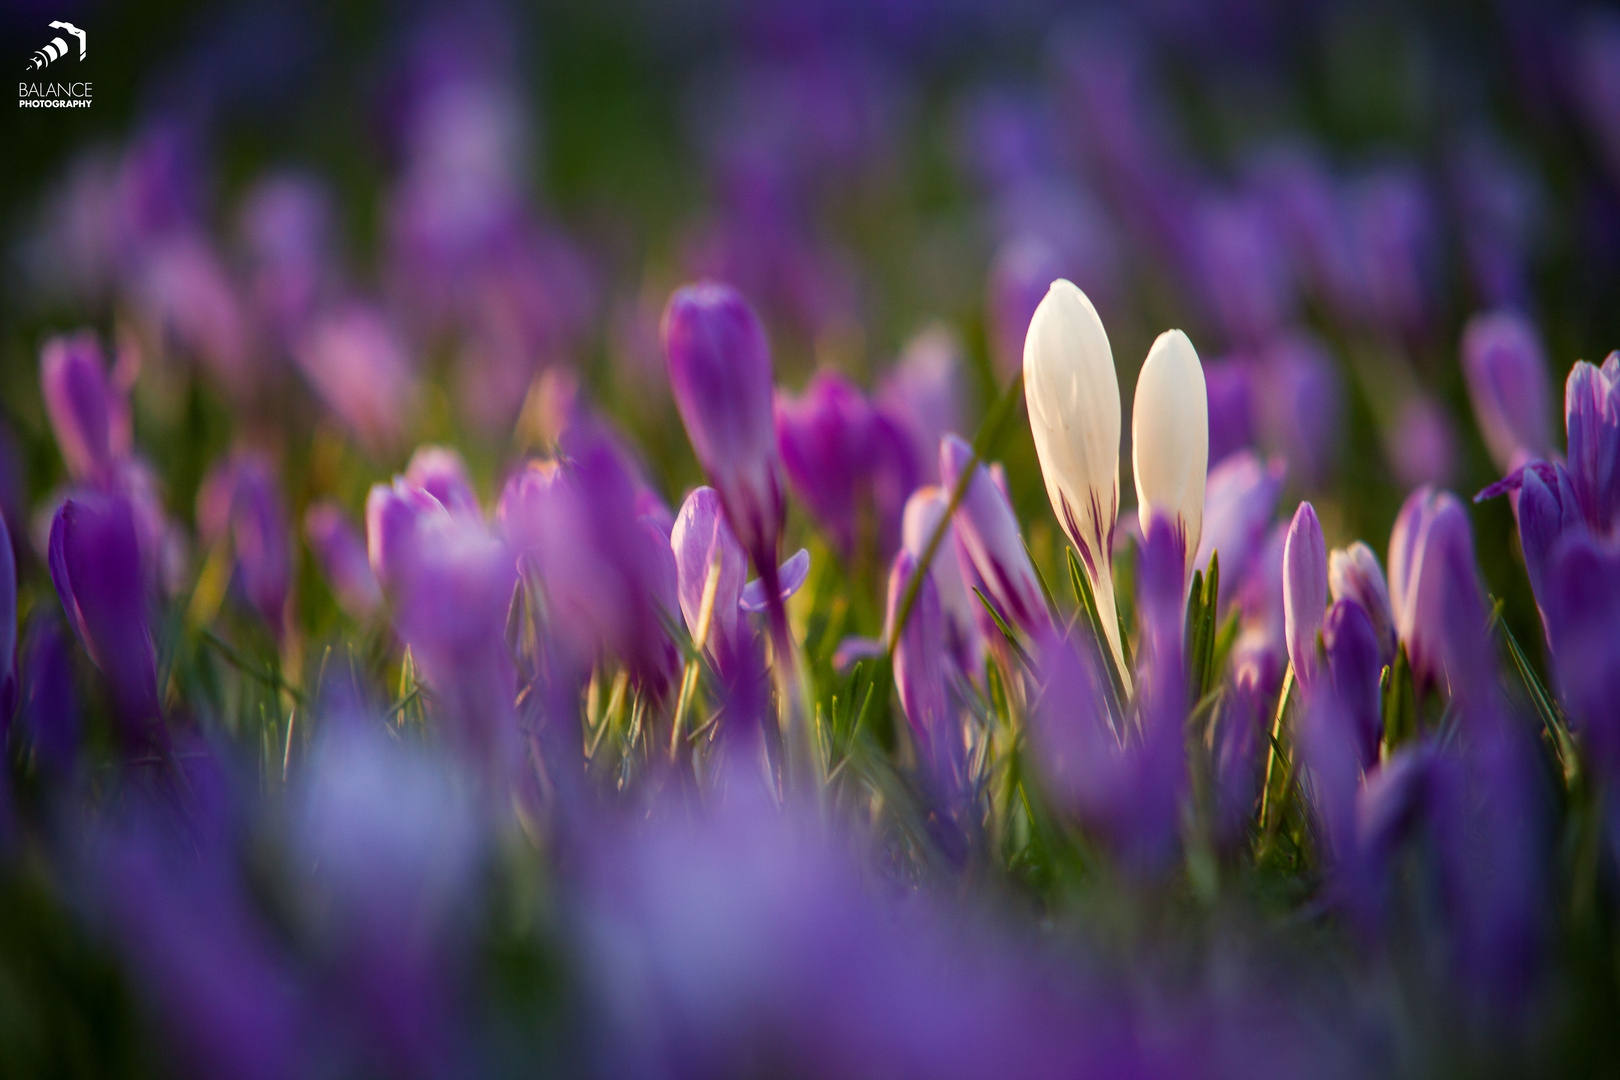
x=95, y=565
x=1354, y=575
x=1506, y=371
x=1501, y=210
x=1596, y=79
x=1305, y=592
x=286, y=226
x=453, y=586
x=703, y=544
x=923, y=394
x=89, y=415
x=824, y=439
x=1435, y=595
x=1230, y=387
x=1301, y=406
x=1239, y=269
x=240, y=503
x=1020, y=276
x=340, y=551
x=1238, y=739
x=1240, y=498
x=720, y=371
x=189, y=300
x=49, y=711
x=988, y=539
x=1396, y=244
x=1592, y=421
x=1580, y=598
x=358, y=366
x=1313, y=218
x=439, y=471
x=1422, y=445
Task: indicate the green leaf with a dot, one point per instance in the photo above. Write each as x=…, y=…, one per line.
x=1046, y=591
x=1088, y=604
x=1006, y=631
x=1545, y=704
x=1400, y=702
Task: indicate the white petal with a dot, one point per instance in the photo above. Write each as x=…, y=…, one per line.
x=1170, y=436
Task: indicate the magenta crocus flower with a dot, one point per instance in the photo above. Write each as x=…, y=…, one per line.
x=1507, y=384
x=239, y=502
x=95, y=565
x=825, y=439
x=286, y=225
x=720, y=372
x=340, y=551
x=439, y=471
x=987, y=534
x=1305, y=592
x=89, y=417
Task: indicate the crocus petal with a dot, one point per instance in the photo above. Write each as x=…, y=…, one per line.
x=987, y=530
x=1354, y=665
x=1170, y=438
x=791, y=576
x=1354, y=574
x=1073, y=398
x=700, y=538
x=1305, y=591
x=1592, y=419
x=1239, y=500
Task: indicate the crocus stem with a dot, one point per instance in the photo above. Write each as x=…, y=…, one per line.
x=1276, y=734
x=700, y=637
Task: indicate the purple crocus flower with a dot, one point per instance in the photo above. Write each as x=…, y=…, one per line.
x=95, y=565
x=439, y=471
x=1240, y=497
x=704, y=544
x=988, y=538
x=453, y=587
x=340, y=551
x=187, y=296
x=286, y=226
x=1355, y=668
x=1580, y=599
x=89, y=417
x=50, y=705
x=825, y=440
x=359, y=367
x=1229, y=386
x=720, y=373
x=961, y=611
x=1239, y=269
x=1305, y=592
x=1507, y=384
x=1354, y=575
x=393, y=512
x=1396, y=245
x=1239, y=738
x=1592, y=421
x=919, y=674
x=1434, y=591
x=239, y=502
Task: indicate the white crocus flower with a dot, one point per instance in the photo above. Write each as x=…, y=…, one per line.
x=1170, y=438
x=1073, y=398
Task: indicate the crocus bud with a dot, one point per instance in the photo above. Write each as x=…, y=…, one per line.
x=392, y=513
x=924, y=510
x=95, y=565
x=238, y=501
x=88, y=416
x=1592, y=419
x=1354, y=574
x=1073, y=399
x=824, y=437
x=704, y=544
x=1422, y=443
x=1355, y=668
x=923, y=393
x=1581, y=599
x=919, y=670
x=1434, y=591
x=453, y=587
x=439, y=471
x=988, y=534
x=50, y=708
x=1239, y=500
x=1170, y=438
x=1547, y=510
x=1506, y=371
x=720, y=373
x=340, y=552
x=1305, y=591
